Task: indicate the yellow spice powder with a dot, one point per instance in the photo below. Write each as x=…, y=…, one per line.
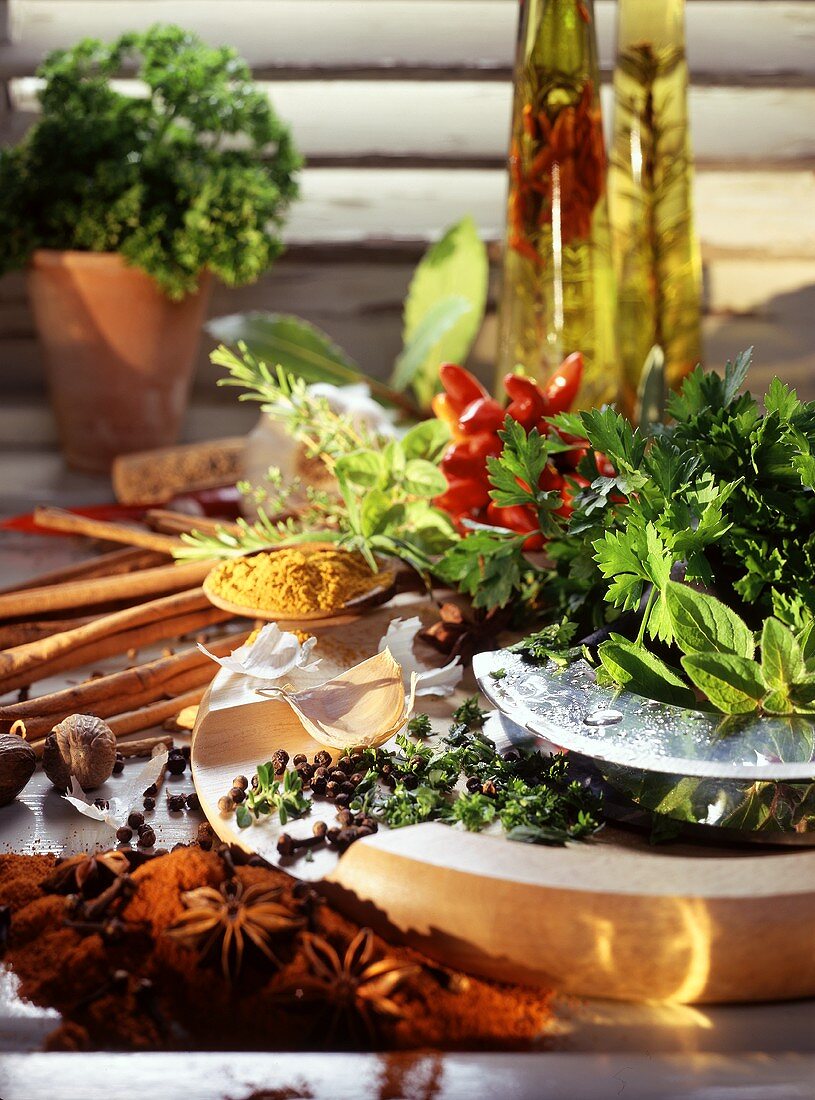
x=295, y=582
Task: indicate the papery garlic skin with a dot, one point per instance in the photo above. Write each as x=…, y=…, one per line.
x=399, y=639
x=273, y=654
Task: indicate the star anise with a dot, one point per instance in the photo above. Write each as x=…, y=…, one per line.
x=354, y=988
x=457, y=633
x=86, y=874
x=231, y=915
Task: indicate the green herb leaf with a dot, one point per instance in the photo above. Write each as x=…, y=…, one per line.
x=426, y=440
x=297, y=346
x=701, y=623
x=417, y=363
x=456, y=265
x=423, y=479
x=782, y=661
x=633, y=667
x=733, y=684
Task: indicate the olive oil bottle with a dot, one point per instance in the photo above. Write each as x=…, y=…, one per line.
x=558, y=286
x=656, y=254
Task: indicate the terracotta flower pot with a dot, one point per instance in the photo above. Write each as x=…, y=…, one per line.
x=118, y=353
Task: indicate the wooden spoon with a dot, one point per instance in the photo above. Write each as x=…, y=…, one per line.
x=347, y=613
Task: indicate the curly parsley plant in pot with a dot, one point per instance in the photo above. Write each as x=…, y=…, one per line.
x=123, y=208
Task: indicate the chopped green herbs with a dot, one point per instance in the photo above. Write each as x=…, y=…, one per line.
x=269, y=795
x=469, y=713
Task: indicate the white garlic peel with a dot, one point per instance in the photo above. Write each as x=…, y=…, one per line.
x=271, y=655
x=361, y=708
x=399, y=638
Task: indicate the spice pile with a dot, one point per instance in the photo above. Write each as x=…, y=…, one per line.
x=191, y=950
x=300, y=582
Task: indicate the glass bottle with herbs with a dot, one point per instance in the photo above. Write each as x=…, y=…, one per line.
x=656, y=253
x=558, y=289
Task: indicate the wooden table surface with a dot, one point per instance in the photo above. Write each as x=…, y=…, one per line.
x=601, y=1049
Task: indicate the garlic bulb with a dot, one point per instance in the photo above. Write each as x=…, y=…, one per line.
x=361, y=708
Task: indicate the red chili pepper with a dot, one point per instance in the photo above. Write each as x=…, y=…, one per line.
x=528, y=404
x=517, y=518
x=562, y=385
x=469, y=458
x=550, y=478
x=604, y=467
x=461, y=387
x=443, y=408
x=463, y=496
x=483, y=415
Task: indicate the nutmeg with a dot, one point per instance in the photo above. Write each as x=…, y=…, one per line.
x=17, y=763
x=81, y=746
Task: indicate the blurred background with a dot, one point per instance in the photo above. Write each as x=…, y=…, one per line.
x=401, y=108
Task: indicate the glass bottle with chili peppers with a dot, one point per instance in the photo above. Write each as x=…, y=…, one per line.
x=654, y=246
x=558, y=289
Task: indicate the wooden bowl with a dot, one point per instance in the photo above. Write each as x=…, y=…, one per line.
x=351, y=610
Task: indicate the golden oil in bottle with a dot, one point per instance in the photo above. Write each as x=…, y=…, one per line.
x=656, y=254
x=558, y=285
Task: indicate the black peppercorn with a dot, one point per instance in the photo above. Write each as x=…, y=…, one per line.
x=320, y=773
x=337, y=776
x=345, y=817
x=473, y=783
x=342, y=799
x=237, y=794
x=149, y=803
x=240, y=781
x=357, y=778
x=346, y=764
x=410, y=781
x=319, y=828
x=118, y=764
x=175, y=803
x=135, y=819
x=176, y=765
x=347, y=788
x=512, y=754
x=318, y=785
x=332, y=835
x=300, y=758
x=279, y=761
x=124, y=834
x=322, y=759
x=331, y=790
x=147, y=838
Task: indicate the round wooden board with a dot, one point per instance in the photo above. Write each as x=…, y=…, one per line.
x=611, y=918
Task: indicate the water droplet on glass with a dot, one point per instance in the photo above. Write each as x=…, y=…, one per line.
x=603, y=717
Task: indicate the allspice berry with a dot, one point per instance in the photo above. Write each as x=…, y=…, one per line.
x=82, y=746
x=17, y=763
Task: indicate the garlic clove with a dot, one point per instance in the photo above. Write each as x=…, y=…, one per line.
x=361, y=708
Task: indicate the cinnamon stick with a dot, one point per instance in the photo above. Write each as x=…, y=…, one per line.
x=103, y=648
x=180, y=523
x=161, y=675
x=100, y=590
x=104, y=565
x=17, y=634
x=28, y=655
x=153, y=715
x=57, y=519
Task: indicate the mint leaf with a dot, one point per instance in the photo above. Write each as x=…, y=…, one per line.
x=423, y=479
x=633, y=667
x=733, y=684
x=426, y=440
x=702, y=623
x=782, y=662
x=364, y=469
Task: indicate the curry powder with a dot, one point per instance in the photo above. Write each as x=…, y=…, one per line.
x=295, y=582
